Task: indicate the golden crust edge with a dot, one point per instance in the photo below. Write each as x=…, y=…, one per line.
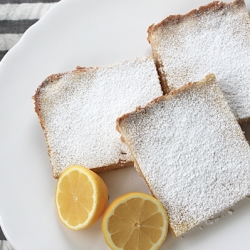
x=37, y=108
x=216, y=5
x=103, y=169
x=208, y=79
x=50, y=80
x=174, y=19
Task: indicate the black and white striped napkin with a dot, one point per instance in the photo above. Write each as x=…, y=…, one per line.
x=16, y=16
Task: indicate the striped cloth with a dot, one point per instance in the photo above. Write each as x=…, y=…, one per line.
x=5, y=245
x=15, y=17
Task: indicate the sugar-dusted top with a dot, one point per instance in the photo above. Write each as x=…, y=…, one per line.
x=213, y=39
x=78, y=111
x=191, y=152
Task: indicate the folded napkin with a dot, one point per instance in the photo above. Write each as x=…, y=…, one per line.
x=16, y=16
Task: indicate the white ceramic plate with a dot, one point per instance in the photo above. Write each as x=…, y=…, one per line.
x=79, y=33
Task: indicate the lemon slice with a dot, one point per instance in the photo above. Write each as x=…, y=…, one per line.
x=81, y=197
x=135, y=221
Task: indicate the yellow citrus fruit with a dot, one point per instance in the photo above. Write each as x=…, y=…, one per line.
x=135, y=221
x=81, y=197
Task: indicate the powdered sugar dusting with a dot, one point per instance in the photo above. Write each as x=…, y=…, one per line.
x=215, y=40
x=79, y=111
x=191, y=152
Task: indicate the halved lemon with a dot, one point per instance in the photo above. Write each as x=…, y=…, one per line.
x=81, y=197
x=135, y=221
